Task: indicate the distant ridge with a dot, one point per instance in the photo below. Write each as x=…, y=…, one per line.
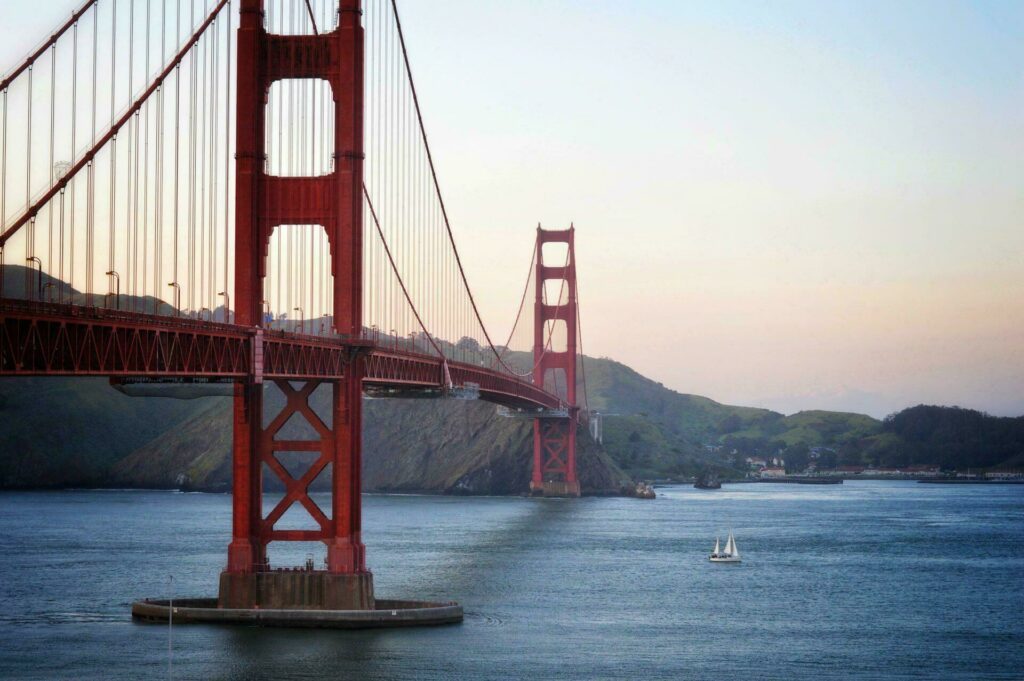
x=59, y=432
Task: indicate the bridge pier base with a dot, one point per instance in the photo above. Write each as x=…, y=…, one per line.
x=555, y=488
x=296, y=590
x=554, y=458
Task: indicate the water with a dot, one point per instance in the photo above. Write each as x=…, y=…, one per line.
x=867, y=580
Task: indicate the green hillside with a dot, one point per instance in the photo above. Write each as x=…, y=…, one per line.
x=655, y=432
x=58, y=432
x=80, y=432
x=442, y=445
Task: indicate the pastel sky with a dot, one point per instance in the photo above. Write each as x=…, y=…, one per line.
x=786, y=204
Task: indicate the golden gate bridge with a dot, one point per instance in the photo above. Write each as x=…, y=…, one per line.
x=243, y=193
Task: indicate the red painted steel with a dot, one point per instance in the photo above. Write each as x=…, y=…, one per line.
x=554, y=438
x=296, y=489
x=48, y=339
x=41, y=339
x=334, y=202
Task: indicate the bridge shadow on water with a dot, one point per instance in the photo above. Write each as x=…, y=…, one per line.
x=481, y=565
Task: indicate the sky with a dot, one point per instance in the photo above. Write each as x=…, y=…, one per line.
x=791, y=204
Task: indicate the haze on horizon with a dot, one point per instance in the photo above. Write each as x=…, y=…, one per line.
x=793, y=205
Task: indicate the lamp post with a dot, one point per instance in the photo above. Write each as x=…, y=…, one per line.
x=302, y=323
x=177, y=297
x=227, y=306
x=117, y=283
x=39, y=273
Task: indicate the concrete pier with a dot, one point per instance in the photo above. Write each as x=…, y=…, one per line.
x=299, y=598
x=296, y=590
x=555, y=488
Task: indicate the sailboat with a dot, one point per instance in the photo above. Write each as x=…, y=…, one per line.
x=731, y=554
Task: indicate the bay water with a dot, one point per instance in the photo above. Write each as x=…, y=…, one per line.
x=865, y=580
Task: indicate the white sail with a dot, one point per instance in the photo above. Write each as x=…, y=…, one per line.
x=735, y=552
x=715, y=552
x=730, y=545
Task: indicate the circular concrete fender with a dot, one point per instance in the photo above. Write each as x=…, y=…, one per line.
x=387, y=613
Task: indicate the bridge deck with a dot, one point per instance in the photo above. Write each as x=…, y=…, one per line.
x=47, y=339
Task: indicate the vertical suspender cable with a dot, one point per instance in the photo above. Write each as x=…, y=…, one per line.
x=227, y=159
x=145, y=166
x=193, y=96
x=131, y=249
x=433, y=172
x=68, y=284
x=31, y=236
x=177, y=148
x=113, y=153
x=91, y=210
x=202, y=99
x=158, y=240
x=53, y=128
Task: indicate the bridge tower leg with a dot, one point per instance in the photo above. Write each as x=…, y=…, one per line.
x=554, y=437
x=263, y=203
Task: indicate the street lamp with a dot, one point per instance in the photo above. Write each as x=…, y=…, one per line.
x=302, y=323
x=177, y=297
x=227, y=307
x=117, y=281
x=39, y=285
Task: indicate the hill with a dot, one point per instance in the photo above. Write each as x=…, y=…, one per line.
x=79, y=432
x=61, y=432
x=951, y=437
x=443, y=446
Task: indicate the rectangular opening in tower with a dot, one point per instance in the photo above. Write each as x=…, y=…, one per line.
x=555, y=382
x=556, y=335
x=301, y=17
x=298, y=289
x=300, y=128
x=554, y=253
x=556, y=292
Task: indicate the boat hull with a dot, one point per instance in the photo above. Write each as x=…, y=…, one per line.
x=724, y=560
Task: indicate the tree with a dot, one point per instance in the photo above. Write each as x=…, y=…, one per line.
x=827, y=459
x=797, y=457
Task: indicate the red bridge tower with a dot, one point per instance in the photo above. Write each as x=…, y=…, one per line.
x=554, y=434
x=263, y=203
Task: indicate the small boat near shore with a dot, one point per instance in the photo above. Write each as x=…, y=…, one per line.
x=731, y=554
